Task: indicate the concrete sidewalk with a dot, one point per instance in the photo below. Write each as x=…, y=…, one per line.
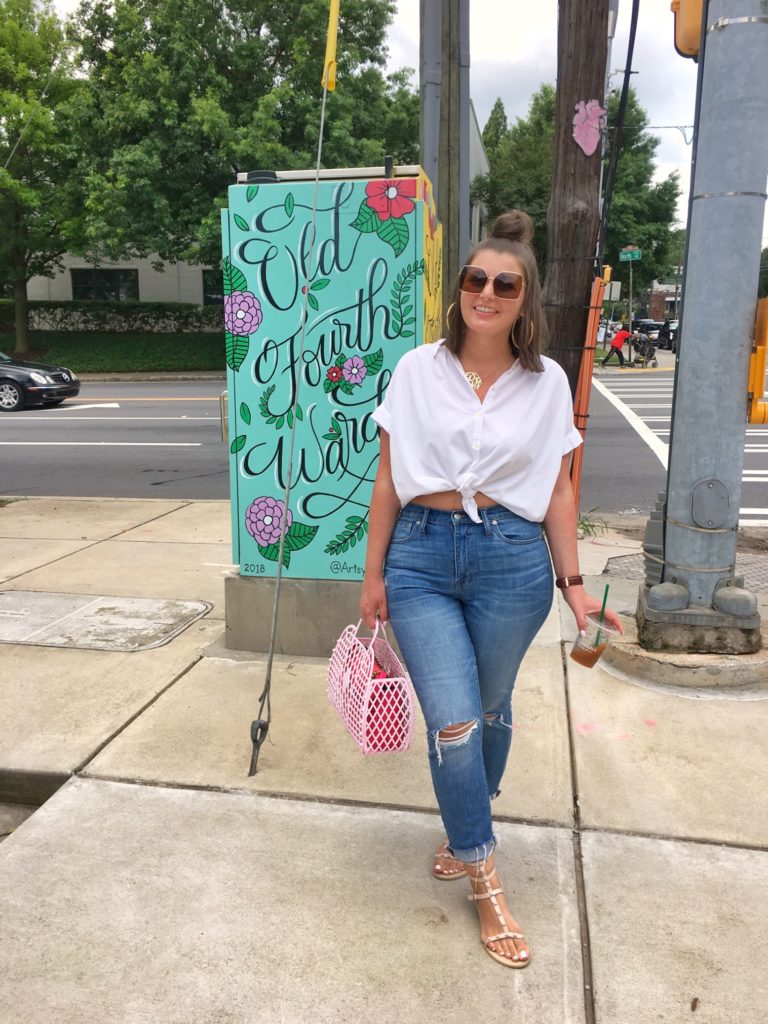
x=158, y=883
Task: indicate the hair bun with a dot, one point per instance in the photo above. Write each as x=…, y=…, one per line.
x=514, y=225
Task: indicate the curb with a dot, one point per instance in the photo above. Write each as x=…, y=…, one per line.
x=728, y=673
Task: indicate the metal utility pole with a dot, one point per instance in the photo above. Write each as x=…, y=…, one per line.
x=692, y=599
x=444, y=95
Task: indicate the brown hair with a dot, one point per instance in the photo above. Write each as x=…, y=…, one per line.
x=511, y=233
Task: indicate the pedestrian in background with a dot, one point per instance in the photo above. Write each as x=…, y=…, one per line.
x=476, y=440
x=617, y=344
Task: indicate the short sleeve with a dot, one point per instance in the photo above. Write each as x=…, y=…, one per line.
x=382, y=414
x=571, y=436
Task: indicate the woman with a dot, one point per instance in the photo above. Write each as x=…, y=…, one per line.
x=476, y=436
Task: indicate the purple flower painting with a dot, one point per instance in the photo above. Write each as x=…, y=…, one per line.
x=264, y=519
x=242, y=313
x=353, y=370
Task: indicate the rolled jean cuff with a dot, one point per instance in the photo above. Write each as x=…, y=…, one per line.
x=476, y=854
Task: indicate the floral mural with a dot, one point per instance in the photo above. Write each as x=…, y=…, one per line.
x=313, y=332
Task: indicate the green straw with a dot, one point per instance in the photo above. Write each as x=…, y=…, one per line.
x=602, y=613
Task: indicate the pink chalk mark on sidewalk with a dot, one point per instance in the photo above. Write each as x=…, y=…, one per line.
x=650, y=722
x=584, y=727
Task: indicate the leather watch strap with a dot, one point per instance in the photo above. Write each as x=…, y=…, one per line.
x=563, y=582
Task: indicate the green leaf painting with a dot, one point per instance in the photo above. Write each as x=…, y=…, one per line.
x=354, y=531
x=312, y=301
x=234, y=279
x=395, y=232
x=321, y=283
x=367, y=220
x=299, y=535
x=289, y=204
x=401, y=304
x=374, y=361
x=272, y=552
x=245, y=414
x=238, y=444
x=251, y=192
x=241, y=222
x=236, y=349
x=277, y=421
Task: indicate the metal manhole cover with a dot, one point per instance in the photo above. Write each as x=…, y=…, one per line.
x=91, y=622
x=754, y=569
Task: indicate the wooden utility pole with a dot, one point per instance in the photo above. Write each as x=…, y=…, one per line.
x=444, y=61
x=573, y=217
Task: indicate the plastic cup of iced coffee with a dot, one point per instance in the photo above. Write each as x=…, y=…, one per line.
x=587, y=649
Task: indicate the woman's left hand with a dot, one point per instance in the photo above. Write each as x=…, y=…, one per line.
x=581, y=604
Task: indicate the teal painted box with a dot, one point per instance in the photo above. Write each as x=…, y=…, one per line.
x=374, y=291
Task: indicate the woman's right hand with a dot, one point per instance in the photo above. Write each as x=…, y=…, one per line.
x=373, y=601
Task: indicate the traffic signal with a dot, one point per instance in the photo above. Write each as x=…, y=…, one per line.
x=688, y=15
x=757, y=404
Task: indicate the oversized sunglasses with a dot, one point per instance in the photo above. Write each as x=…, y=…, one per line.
x=507, y=285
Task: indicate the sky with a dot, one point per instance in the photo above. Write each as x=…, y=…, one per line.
x=513, y=50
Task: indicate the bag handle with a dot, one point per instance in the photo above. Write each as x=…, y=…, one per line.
x=375, y=629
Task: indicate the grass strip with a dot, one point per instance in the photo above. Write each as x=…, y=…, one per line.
x=85, y=352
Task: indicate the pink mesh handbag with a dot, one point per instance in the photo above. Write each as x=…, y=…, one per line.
x=371, y=692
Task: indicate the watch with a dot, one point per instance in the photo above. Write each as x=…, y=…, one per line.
x=563, y=582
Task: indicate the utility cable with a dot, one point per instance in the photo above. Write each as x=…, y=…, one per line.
x=610, y=177
x=260, y=727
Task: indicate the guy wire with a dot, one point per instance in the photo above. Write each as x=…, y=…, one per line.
x=260, y=728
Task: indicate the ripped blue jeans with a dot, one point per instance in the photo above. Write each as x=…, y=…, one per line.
x=465, y=602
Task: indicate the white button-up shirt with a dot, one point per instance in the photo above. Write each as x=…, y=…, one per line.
x=443, y=438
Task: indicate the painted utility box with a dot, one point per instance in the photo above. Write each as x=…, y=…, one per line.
x=374, y=292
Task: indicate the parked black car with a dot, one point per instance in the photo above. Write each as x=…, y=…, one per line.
x=23, y=383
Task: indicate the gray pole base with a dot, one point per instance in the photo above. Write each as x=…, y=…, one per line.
x=694, y=629
x=312, y=614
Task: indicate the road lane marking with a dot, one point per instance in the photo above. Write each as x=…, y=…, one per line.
x=102, y=444
x=120, y=419
x=100, y=405
x=659, y=449
x=147, y=398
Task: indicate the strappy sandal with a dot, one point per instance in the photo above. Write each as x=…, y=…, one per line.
x=439, y=867
x=491, y=894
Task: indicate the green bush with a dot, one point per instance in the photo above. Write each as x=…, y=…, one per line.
x=120, y=317
x=118, y=353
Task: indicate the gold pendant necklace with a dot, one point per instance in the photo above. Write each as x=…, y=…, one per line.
x=476, y=381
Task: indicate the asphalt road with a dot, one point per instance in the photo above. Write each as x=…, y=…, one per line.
x=127, y=440
x=162, y=439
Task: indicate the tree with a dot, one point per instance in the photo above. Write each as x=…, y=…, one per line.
x=495, y=129
x=642, y=211
x=521, y=165
x=40, y=197
x=174, y=107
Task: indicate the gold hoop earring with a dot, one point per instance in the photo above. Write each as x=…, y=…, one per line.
x=448, y=313
x=529, y=342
